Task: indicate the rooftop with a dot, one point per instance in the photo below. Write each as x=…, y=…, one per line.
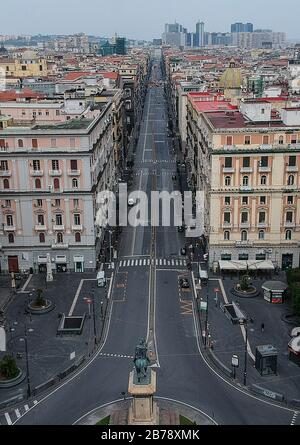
x=74, y=124
x=235, y=119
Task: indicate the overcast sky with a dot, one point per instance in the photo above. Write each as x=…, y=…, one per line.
x=143, y=19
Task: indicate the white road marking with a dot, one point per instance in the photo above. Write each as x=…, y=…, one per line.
x=17, y=413
x=8, y=419
x=26, y=407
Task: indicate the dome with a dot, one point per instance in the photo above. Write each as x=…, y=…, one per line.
x=232, y=78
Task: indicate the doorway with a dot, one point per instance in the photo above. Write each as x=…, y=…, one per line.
x=13, y=264
x=287, y=261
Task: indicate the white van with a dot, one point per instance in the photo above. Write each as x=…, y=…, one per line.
x=203, y=276
x=101, y=280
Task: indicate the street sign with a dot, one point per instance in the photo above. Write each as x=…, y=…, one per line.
x=235, y=361
x=88, y=301
x=216, y=289
x=203, y=306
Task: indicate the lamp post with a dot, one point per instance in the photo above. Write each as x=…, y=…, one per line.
x=206, y=321
x=246, y=352
x=27, y=361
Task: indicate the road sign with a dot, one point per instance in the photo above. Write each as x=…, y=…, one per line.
x=203, y=306
x=216, y=289
x=88, y=300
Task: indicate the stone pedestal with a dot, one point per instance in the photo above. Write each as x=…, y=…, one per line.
x=143, y=411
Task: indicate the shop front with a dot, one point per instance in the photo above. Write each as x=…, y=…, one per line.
x=61, y=263
x=274, y=291
x=79, y=264
x=42, y=263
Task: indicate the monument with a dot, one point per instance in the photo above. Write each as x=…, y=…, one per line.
x=49, y=269
x=142, y=386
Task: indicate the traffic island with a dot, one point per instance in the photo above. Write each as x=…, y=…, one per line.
x=40, y=305
x=10, y=374
x=245, y=289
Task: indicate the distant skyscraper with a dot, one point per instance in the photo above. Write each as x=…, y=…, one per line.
x=175, y=35
x=199, y=34
x=241, y=27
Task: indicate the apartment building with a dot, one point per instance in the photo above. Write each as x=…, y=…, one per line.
x=29, y=64
x=50, y=174
x=249, y=170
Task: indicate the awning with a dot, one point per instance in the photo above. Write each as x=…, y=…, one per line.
x=233, y=265
x=261, y=265
x=42, y=259
x=246, y=265
x=61, y=259
x=78, y=259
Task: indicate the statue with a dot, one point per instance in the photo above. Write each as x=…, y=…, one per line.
x=141, y=360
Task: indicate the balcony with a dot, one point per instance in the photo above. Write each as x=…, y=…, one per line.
x=246, y=170
x=7, y=228
x=36, y=172
x=228, y=170
x=227, y=225
x=245, y=188
x=58, y=228
x=74, y=172
x=292, y=169
x=40, y=228
x=5, y=173
x=289, y=224
x=55, y=172
x=77, y=228
x=245, y=225
x=262, y=225
x=264, y=169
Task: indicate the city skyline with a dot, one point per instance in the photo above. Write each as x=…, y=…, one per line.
x=131, y=20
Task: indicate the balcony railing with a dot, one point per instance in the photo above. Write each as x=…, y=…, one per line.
x=77, y=228
x=291, y=168
x=289, y=224
x=246, y=170
x=74, y=172
x=59, y=227
x=264, y=169
x=36, y=172
x=8, y=228
x=55, y=172
x=228, y=170
x=40, y=227
x=5, y=173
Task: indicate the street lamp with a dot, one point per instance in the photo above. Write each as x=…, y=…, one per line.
x=206, y=320
x=244, y=322
x=27, y=361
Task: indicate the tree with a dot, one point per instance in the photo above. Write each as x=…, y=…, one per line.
x=8, y=367
x=245, y=283
x=40, y=300
x=295, y=291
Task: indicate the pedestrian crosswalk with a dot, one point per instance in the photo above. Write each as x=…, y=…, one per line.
x=145, y=262
x=11, y=416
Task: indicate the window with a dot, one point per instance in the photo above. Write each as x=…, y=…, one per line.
x=60, y=238
x=74, y=164
x=3, y=165
x=247, y=140
x=40, y=219
x=262, y=111
x=20, y=143
x=53, y=143
x=56, y=184
x=77, y=219
x=246, y=162
x=227, y=217
x=57, y=203
x=228, y=162
x=6, y=183
x=262, y=217
x=2, y=143
x=57, y=112
x=293, y=139
x=288, y=235
x=227, y=180
x=226, y=257
x=229, y=140
x=291, y=180
x=37, y=183
x=55, y=164
x=244, y=217
x=7, y=203
x=261, y=257
x=280, y=140
x=263, y=180
x=245, y=181
x=77, y=237
x=36, y=164
x=261, y=235
x=292, y=161
x=72, y=142
x=264, y=161
x=42, y=237
x=243, y=257
x=262, y=200
x=47, y=113
x=76, y=203
x=75, y=183
x=226, y=235
x=34, y=143
x=58, y=219
x=245, y=200
x=227, y=200
x=39, y=202
x=244, y=235
x=289, y=217
x=11, y=238
x=9, y=220
x=265, y=140
x=40, y=113
x=290, y=200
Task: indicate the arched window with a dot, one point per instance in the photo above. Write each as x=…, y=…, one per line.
x=38, y=183
x=227, y=180
x=78, y=237
x=60, y=238
x=56, y=184
x=291, y=180
x=226, y=235
x=42, y=237
x=288, y=235
x=20, y=143
x=263, y=180
x=11, y=238
x=75, y=183
x=5, y=183
x=244, y=235
x=245, y=181
x=280, y=141
x=261, y=235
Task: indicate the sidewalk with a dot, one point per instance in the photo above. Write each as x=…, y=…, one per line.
x=48, y=353
x=228, y=339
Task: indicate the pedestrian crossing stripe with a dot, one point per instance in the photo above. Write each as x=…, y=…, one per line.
x=10, y=417
x=154, y=262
